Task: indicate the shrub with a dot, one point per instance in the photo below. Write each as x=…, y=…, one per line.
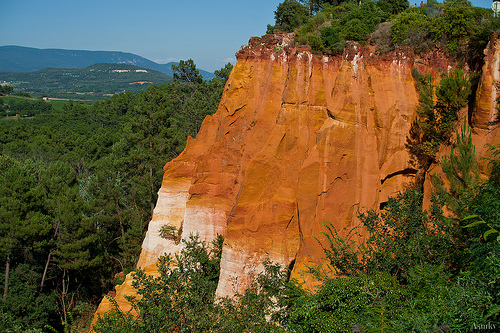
x=393, y=7
x=382, y=38
x=407, y=23
x=169, y=232
x=340, y=303
x=181, y=298
x=315, y=42
x=330, y=36
x=356, y=30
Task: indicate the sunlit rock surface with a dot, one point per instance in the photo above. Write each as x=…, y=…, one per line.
x=298, y=139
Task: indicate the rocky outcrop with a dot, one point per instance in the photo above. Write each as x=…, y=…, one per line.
x=298, y=139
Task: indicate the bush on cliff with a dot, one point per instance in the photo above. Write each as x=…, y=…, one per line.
x=336, y=25
x=453, y=26
x=411, y=27
x=289, y=15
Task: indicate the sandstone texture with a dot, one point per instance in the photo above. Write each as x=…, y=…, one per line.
x=298, y=139
x=485, y=114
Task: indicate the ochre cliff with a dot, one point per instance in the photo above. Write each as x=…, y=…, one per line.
x=485, y=116
x=298, y=139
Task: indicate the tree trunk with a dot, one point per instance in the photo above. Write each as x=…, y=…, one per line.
x=45, y=270
x=152, y=191
x=6, y=284
x=64, y=291
x=119, y=213
x=48, y=257
x=151, y=195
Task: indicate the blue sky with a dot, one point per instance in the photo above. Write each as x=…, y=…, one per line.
x=209, y=32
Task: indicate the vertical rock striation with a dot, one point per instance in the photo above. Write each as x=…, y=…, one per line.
x=298, y=139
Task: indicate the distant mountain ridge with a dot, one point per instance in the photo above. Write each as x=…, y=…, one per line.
x=28, y=59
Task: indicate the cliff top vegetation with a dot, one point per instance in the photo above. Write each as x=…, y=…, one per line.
x=456, y=27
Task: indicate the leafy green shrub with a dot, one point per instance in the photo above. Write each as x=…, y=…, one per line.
x=356, y=30
x=401, y=236
x=169, y=232
x=335, y=25
x=393, y=7
x=455, y=25
x=315, y=42
x=181, y=297
x=340, y=303
x=261, y=308
x=433, y=298
x=408, y=23
x=330, y=36
x=368, y=13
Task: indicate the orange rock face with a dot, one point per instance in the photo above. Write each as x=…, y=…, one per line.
x=485, y=115
x=298, y=139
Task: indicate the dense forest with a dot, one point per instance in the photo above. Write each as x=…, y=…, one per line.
x=78, y=186
x=77, y=189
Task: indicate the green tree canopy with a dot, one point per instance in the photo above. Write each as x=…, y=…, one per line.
x=186, y=72
x=289, y=15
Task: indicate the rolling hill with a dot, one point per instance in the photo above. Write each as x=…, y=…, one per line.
x=92, y=82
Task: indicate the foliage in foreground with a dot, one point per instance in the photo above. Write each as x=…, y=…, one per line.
x=182, y=297
x=403, y=279
x=403, y=282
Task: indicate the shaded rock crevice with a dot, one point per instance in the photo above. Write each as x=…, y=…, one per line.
x=407, y=171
